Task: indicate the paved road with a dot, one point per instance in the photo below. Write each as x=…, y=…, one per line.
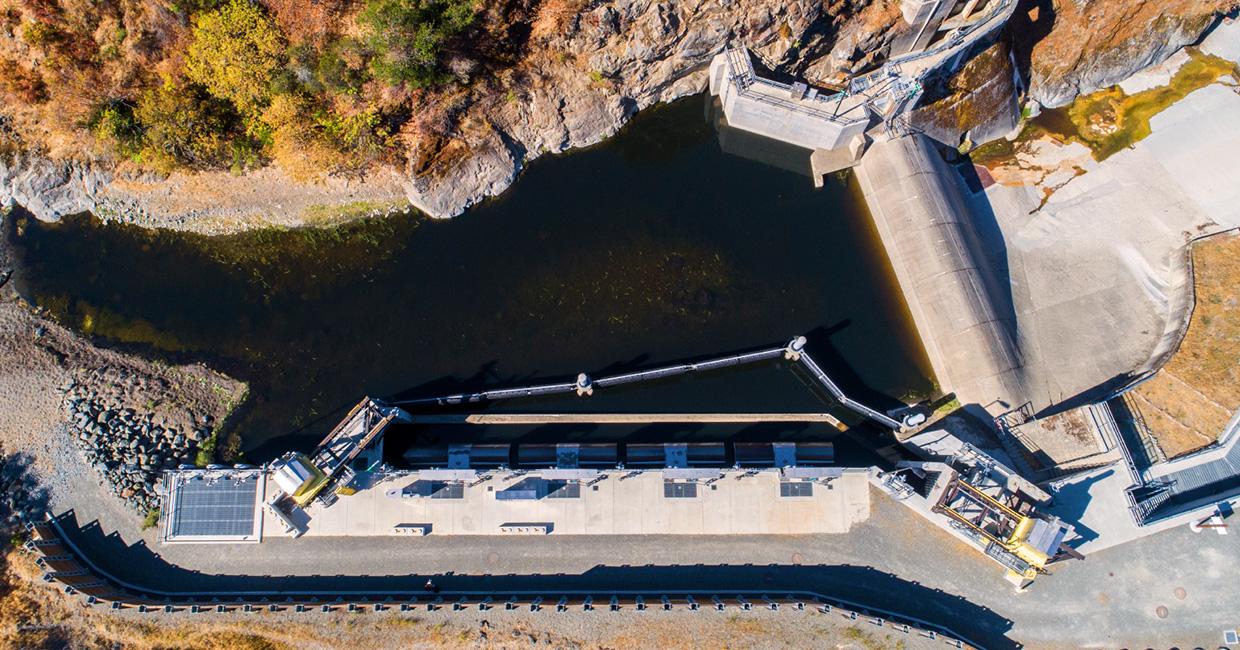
x=894, y=560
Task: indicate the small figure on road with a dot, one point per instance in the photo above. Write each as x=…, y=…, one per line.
x=430, y=585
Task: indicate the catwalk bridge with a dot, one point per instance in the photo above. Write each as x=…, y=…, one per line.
x=365, y=423
x=586, y=385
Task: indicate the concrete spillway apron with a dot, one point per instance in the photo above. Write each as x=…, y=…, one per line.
x=942, y=269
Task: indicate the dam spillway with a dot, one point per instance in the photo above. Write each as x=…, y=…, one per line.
x=961, y=309
x=951, y=291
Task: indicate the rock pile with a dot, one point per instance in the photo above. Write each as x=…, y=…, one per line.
x=129, y=449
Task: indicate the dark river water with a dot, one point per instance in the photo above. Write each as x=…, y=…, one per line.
x=654, y=247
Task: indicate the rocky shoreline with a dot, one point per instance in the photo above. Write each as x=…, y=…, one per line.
x=578, y=85
x=129, y=448
x=77, y=412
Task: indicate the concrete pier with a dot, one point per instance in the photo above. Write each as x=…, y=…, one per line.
x=956, y=302
x=737, y=502
x=794, y=113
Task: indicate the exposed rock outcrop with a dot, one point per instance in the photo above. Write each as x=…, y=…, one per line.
x=580, y=85
x=1097, y=43
x=50, y=189
x=587, y=69
x=977, y=104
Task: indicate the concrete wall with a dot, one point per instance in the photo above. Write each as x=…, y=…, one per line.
x=955, y=300
x=799, y=123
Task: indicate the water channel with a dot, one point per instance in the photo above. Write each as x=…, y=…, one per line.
x=652, y=248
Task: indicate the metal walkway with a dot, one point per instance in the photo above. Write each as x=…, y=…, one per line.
x=621, y=418
x=585, y=385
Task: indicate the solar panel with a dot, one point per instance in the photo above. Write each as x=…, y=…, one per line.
x=216, y=507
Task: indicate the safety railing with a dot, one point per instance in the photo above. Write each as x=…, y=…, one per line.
x=741, y=72
x=812, y=366
x=64, y=563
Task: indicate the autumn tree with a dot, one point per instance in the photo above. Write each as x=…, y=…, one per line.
x=234, y=53
x=185, y=126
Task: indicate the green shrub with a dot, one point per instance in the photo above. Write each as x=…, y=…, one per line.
x=191, y=7
x=206, y=451
x=234, y=53
x=151, y=519
x=406, y=37
x=114, y=121
x=309, y=139
x=333, y=69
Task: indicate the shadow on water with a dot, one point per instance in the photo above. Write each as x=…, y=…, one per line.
x=649, y=249
x=864, y=585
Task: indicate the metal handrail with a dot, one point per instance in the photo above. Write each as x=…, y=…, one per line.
x=747, y=77
x=839, y=395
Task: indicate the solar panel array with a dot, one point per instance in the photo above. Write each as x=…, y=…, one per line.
x=215, y=507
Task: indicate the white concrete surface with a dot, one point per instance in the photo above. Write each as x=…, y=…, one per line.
x=1156, y=75
x=1224, y=41
x=1099, y=276
x=768, y=108
x=939, y=259
x=1095, y=503
x=737, y=504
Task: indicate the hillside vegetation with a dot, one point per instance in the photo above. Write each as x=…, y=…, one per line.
x=323, y=86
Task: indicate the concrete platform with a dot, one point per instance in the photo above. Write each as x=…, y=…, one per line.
x=735, y=504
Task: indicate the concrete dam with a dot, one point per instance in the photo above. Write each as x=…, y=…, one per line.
x=961, y=309
x=954, y=297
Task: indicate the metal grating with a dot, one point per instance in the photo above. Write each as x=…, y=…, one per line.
x=215, y=507
x=447, y=490
x=569, y=490
x=796, y=489
x=674, y=490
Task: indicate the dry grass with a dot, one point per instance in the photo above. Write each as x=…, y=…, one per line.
x=1191, y=399
x=554, y=16
x=35, y=615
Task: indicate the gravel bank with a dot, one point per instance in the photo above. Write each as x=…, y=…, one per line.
x=67, y=404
